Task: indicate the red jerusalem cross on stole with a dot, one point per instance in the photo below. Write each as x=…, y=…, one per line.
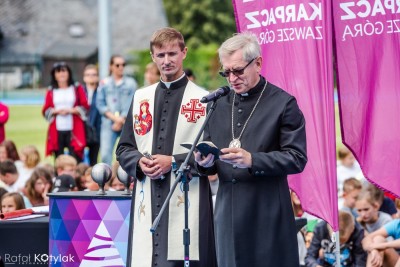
x=193, y=110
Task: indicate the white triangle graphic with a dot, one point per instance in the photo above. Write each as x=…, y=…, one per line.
x=102, y=251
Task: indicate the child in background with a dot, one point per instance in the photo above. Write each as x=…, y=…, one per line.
x=115, y=183
x=397, y=204
x=50, y=169
x=312, y=221
x=321, y=252
x=30, y=158
x=347, y=167
x=381, y=245
x=65, y=164
x=79, y=176
x=369, y=216
x=351, y=189
x=385, y=203
x=89, y=183
x=37, y=187
x=11, y=202
x=8, y=150
x=64, y=183
x=66, y=169
x=298, y=213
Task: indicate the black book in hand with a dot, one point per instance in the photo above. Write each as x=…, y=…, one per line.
x=205, y=148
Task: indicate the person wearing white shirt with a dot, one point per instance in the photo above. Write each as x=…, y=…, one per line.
x=9, y=176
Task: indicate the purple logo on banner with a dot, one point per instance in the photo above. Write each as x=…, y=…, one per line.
x=90, y=231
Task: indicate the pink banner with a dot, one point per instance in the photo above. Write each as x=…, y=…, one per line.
x=296, y=39
x=368, y=60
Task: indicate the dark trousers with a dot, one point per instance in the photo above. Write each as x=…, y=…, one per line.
x=64, y=141
x=93, y=153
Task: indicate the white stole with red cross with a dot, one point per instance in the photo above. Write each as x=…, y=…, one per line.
x=190, y=120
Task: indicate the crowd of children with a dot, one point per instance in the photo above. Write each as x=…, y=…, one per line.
x=369, y=224
x=38, y=179
x=369, y=220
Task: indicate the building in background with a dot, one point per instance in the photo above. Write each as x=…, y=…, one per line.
x=35, y=34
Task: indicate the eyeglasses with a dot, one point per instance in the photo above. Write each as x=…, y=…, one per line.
x=237, y=73
x=120, y=65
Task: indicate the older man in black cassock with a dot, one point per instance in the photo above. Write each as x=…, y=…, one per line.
x=261, y=132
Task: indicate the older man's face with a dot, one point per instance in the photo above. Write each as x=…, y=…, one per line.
x=241, y=75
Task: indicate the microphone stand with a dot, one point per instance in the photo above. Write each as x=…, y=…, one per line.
x=184, y=177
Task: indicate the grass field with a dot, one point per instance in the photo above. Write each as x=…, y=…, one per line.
x=26, y=126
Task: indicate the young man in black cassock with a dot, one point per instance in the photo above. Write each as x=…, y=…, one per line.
x=163, y=116
x=261, y=132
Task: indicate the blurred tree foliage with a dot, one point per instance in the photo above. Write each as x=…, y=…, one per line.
x=205, y=25
x=201, y=22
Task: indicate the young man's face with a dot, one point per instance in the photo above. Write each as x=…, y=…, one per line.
x=169, y=59
x=117, y=67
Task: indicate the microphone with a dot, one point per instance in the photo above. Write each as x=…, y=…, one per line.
x=222, y=91
x=101, y=174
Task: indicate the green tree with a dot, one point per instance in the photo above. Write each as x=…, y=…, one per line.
x=201, y=22
x=205, y=25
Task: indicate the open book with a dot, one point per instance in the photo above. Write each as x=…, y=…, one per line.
x=205, y=148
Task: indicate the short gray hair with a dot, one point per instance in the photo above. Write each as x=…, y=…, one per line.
x=246, y=41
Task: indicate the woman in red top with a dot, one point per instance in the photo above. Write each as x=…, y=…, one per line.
x=3, y=119
x=65, y=109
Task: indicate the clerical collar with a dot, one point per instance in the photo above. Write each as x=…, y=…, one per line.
x=168, y=84
x=256, y=89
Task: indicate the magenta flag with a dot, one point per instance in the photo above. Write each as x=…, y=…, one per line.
x=368, y=60
x=296, y=39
